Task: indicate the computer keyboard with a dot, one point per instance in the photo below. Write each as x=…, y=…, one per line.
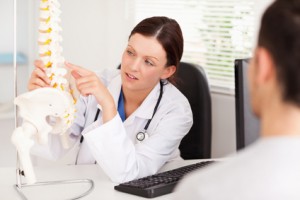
x=160, y=183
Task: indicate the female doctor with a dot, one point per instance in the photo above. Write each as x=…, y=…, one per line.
x=129, y=121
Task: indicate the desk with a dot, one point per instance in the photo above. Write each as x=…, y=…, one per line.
x=103, y=190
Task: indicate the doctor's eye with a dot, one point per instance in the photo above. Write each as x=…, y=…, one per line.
x=129, y=52
x=148, y=62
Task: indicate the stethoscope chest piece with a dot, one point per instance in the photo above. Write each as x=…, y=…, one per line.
x=141, y=136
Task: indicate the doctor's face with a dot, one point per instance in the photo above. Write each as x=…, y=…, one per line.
x=143, y=63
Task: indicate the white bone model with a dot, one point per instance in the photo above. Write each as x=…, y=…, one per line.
x=45, y=110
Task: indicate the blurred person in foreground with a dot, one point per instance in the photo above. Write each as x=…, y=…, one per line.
x=269, y=168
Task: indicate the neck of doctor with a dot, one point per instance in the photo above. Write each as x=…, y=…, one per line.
x=133, y=99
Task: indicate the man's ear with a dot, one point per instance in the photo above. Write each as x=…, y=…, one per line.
x=168, y=71
x=265, y=68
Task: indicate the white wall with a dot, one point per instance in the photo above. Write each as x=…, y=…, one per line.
x=223, y=125
x=7, y=150
x=6, y=21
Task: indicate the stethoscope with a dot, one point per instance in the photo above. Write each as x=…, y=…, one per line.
x=141, y=135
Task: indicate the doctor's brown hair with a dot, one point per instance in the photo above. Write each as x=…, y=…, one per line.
x=168, y=33
x=280, y=35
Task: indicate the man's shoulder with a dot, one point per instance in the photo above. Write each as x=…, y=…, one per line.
x=217, y=181
x=245, y=175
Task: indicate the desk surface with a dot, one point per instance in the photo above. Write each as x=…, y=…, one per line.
x=104, y=188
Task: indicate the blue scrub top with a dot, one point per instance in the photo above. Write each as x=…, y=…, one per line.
x=121, y=109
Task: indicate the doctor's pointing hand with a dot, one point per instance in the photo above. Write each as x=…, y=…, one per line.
x=88, y=83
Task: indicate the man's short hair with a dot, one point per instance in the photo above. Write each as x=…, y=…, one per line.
x=280, y=35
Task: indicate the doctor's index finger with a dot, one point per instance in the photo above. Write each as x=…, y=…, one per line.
x=39, y=64
x=78, y=70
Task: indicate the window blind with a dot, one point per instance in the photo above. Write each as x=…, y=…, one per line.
x=216, y=32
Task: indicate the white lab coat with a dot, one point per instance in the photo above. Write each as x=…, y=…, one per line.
x=113, y=144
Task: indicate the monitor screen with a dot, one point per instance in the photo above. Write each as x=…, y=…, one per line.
x=247, y=125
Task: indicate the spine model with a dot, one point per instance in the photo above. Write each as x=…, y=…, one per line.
x=45, y=110
x=50, y=49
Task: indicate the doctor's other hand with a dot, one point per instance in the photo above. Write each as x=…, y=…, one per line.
x=38, y=78
x=88, y=83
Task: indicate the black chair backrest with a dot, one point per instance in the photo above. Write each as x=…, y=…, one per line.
x=194, y=85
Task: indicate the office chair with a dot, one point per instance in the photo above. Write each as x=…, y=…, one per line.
x=192, y=82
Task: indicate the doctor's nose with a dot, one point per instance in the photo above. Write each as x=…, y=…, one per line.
x=135, y=65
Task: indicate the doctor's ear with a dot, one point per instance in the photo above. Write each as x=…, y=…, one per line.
x=168, y=72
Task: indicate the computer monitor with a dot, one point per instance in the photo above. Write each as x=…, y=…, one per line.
x=247, y=125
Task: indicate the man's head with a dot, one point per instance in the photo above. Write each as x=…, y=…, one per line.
x=275, y=67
